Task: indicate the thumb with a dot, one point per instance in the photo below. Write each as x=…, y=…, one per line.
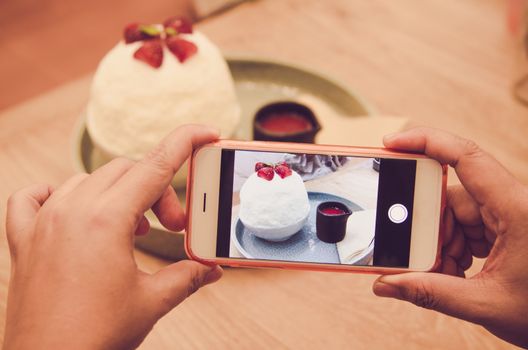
x=174, y=283
x=454, y=296
x=466, y=157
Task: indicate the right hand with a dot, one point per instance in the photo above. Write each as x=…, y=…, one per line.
x=485, y=217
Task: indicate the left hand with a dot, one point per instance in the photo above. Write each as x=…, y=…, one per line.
x=74, y=282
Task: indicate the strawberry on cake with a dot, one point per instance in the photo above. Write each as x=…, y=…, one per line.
x=273, y=202
x=157, y=78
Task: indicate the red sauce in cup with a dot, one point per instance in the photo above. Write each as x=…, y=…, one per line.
x=333, y=211
x=285, y=123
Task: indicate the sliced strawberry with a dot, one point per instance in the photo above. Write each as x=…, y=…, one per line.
x=137, y=32
x=181, y=48
x=260, y=165
x=179, y=24
x=151, y=53
x=283, y=171
x=132, y=33
x=266, y=173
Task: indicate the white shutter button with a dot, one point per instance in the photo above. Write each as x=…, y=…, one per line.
x=397, y=213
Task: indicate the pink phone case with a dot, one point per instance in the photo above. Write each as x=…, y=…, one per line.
x=305, y=148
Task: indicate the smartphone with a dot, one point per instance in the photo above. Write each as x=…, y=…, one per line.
x=314, y=207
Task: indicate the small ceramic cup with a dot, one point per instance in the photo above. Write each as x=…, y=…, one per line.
x=331, y=221
x=285, y=130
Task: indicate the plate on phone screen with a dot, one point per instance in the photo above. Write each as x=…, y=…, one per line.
x=304, y=246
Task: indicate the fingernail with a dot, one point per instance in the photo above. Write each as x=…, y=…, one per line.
x=215, y=131
x=386, y=290
x=390, y=137
x=213, y=275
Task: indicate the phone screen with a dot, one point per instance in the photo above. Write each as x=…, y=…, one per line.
x=315, y=208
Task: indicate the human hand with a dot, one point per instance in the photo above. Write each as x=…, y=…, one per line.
x=485, y=217
x=74, y=282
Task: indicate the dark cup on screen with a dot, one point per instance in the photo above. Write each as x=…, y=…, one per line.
x=331, y=221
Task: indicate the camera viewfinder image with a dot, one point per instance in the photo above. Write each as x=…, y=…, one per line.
x=304, y=207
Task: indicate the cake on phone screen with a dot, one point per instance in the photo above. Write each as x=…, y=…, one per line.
x=315, y=208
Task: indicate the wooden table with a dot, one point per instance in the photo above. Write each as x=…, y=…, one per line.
x=444, y=63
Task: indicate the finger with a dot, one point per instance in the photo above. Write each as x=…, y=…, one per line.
x=143, y=227
x=465, y=156
x=490, y=247
x=174, y=283
x=68, y=186
x=464, y=207
x=22, y=207
x=146, y=181
x=449, y=265
x=169, y=211
x=107, y=175
x=490, y=235
x=479, y=248
x=457, y=245
x=473, y=232
x=466, y=260
x=454, y=296
x=449, y=227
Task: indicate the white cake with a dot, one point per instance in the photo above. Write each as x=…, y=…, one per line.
x=133, y=106
x=274, y=209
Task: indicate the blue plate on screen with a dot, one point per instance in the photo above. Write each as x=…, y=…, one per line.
x=303, y=246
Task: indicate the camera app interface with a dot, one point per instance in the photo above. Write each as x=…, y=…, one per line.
x=314, y=208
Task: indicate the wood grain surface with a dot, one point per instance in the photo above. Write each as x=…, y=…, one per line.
x=443, y=63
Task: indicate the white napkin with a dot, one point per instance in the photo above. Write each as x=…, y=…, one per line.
x=360, y=231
